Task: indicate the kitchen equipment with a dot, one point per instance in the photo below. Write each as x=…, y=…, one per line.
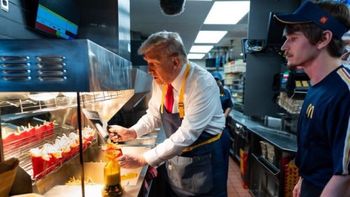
x=101, y=126
x=273, y=122
x=74, y=76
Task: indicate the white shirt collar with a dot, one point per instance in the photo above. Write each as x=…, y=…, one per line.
x=177, y=81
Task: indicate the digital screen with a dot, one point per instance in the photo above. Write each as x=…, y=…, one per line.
x=58, y=18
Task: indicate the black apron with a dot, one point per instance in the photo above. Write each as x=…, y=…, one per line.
x=201, y=171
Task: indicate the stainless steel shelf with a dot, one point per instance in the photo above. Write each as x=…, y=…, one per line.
x=28, y=106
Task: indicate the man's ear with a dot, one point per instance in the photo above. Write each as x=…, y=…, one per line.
x=325, y=39
x=176, y=61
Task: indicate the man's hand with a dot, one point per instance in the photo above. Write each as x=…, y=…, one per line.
x=121, y=134
x=297, y=188
x=128, y=161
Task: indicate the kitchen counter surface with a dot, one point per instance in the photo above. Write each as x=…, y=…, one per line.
x=94, y=176
x=279, y=138
x=243, y=119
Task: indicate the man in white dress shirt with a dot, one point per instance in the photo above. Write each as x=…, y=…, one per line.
x=195, y=151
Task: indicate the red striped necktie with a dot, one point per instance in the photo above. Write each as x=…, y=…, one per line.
x=169, y=99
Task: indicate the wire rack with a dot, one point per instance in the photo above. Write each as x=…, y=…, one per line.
x=20, y=148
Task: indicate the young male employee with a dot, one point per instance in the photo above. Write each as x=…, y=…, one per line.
x=314, y=43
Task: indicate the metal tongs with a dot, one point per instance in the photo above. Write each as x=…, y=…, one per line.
x=102, y=132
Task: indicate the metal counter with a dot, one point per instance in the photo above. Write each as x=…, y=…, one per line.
x=243, y=119
x=281, y=139
x=95, y=189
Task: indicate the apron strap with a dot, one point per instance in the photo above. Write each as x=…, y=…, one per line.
x=181, y=105
x=165, y=87
x=208, y=141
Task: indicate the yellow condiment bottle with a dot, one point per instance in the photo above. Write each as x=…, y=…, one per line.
x=112, y=175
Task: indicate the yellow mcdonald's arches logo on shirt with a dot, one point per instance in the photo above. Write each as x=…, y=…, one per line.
x=310, y=111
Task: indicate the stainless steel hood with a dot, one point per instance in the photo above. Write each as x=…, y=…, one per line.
x=66, y=65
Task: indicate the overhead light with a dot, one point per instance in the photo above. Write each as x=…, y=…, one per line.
x=201, y=48
x=209, y=36
x=227, y=12
x=195, y=55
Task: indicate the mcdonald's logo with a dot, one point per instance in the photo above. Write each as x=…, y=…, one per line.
x=310, y=111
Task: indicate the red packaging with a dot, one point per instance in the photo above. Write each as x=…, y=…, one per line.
x=66, y=155
x=39, y=166
x=74, y=149
x=9, y=138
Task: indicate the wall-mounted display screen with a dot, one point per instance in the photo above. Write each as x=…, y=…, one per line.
x=58, y=18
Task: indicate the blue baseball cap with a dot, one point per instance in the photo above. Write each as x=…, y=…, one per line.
x=309, y=12
x=217, y=75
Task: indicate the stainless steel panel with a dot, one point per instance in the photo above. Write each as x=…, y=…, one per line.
x=61, y=65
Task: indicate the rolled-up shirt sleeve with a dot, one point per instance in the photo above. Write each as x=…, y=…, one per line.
x=151, y=119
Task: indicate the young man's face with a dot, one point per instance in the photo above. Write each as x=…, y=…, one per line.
x=298, y=51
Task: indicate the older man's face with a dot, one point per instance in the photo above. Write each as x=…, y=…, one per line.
x=160, y=65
